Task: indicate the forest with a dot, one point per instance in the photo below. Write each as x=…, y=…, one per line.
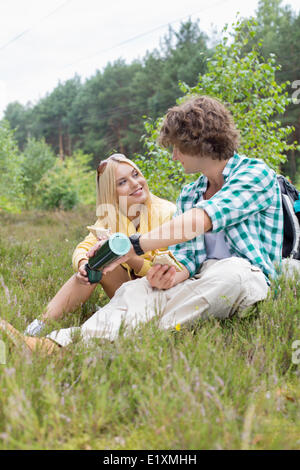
x=108, y=110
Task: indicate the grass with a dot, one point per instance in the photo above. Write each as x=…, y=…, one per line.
x=220, y=385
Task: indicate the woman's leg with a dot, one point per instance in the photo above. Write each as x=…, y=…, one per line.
x=70, y=296
x=73, y=293
x=113, y=280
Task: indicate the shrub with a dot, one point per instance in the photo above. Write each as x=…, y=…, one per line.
x=11, y=184
x=56, y=190
x=38, y=158
x=165, y=176
x=83, y=178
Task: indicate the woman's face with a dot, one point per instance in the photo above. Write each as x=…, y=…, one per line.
x=130, y=185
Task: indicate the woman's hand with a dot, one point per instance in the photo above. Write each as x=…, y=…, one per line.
x=161, y=276
x=130, y=255
x=81, y=275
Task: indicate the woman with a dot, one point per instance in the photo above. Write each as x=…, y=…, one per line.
x=124, y=204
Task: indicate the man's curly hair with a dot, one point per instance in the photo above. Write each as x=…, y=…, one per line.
x=200, y=126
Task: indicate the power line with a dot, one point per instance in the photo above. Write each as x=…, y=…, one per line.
x=134, y=38
x=20, y=35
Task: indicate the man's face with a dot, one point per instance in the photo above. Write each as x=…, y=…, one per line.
x=190, y=163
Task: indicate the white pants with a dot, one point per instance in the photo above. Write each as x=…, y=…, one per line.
x=219, y=290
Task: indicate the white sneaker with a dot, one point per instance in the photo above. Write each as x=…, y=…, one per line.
x=35, y=328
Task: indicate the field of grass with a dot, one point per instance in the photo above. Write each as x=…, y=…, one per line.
x=220, y=385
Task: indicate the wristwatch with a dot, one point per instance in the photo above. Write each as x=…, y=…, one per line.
x=135, y=241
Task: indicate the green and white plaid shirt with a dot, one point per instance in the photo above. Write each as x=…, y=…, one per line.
x=247, y=207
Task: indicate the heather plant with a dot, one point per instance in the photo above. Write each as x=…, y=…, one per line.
x=217, y=385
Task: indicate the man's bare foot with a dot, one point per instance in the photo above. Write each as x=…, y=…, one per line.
x=28, y=343
x=43, y=345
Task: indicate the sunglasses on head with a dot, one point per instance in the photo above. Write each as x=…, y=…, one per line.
x=116, y=157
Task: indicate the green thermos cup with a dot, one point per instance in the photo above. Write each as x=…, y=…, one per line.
x=116, y=246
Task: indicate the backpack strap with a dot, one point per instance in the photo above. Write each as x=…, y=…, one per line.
x=291, y=240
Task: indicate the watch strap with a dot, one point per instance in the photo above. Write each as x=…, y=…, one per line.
x=135, y=241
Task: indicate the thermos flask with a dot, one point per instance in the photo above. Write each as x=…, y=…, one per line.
x=116, y=246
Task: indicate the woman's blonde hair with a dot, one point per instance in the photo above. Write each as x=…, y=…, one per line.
x=108, y=209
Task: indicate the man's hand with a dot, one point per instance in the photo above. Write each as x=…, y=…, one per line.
x=161, y=276
x=165, y=277
x=96, y=247
x=123, y=259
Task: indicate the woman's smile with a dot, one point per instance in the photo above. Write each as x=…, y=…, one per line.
x=138, y=192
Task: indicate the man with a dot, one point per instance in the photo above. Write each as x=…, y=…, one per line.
x=227, y=232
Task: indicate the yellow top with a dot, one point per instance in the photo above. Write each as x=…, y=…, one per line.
x=160, y=211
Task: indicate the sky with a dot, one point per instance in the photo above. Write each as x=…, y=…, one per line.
x=44, y=42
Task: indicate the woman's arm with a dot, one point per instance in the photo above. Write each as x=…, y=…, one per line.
x=136, y=263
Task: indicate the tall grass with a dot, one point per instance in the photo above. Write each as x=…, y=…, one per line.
x=218, y=385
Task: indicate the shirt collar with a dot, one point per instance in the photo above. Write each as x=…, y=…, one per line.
x=231, y=164
x=201, y=183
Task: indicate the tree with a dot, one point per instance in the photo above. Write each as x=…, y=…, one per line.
x=247, y=83
x=51, y=116
x=11, y=184
x=278, y=30
x=19, y=118
x=38, y=158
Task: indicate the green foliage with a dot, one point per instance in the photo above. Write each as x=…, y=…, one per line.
x=83, y=178
x=20, y=119
x=38, y=158
x=246, y=82
x=67, y=183
x=11, y=184
x=165, y=176
x=56, y=189
x=278, y=29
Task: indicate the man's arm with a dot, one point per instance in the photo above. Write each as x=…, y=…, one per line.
x=182, y=228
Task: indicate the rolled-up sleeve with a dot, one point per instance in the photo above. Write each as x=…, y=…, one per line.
x=249, y=192
x=81, y=250
x=184, y=253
